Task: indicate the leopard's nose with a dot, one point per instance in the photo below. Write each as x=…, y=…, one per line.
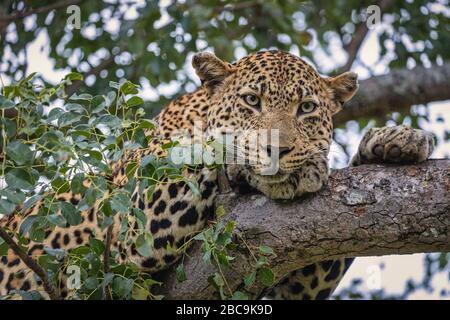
x=282, y=151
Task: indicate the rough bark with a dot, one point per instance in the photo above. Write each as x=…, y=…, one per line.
x=397, y=91
x=369, y=210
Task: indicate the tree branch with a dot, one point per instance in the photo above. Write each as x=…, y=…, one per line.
x=369, y=210
x=31, y=263
x=397, y=91
x=352, y=48
x=4, y=20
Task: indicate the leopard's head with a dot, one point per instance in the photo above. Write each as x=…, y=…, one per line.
x=280, y=109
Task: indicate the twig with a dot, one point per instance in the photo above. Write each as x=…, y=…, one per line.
x=31, y=263
x=352, y=48
x=106, y=254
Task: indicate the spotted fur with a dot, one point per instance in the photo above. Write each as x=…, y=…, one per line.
x=282, y=83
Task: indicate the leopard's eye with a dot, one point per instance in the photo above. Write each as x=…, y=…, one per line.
x=307, y=107
x=252, y=100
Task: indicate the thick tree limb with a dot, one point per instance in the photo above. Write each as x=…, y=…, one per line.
x=369, y=210
x=397, y=91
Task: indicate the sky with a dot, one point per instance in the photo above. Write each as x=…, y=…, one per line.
x=397, y=269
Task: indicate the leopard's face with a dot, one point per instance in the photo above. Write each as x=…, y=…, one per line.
x=280, y=111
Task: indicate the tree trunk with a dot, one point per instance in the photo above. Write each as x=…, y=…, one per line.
x=397, y=91
x=369, y=210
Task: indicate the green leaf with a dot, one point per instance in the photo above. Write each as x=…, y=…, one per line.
x=57, y=219
x=141, y=217
x=140, y=293
x=9, y=126
x=181, y=273
x=122, y=287
x=20, y=153
x=128, y=88
x=60, y=185
x=54, y=114
x=109, y=120
x=75, y=107
x=220, y=212
x=91, y=283
x=74, y=76
x=83, y=96
x=6, y=207
x=266, y=276
x=207, y=256
x=266, y=250
x=135, y=101
x=147, y=124
x=37, y=234
x=76, y=185
x=131, y=168
x=238, y=295
x=98, y=104
x=30, y=295
x=107, y=279
x=27, y=223
x=31, y=201
x=5, y=103
x=169, y=145
x=70, y=213
x=249, y=280
x=218, y=280
x=20, y=179
x=3, y=248
x=120, y=203
x=97, y=246
x=144, y=244
x=68, y=118
x=261, y=261
x=58, y=254
x=229, y=228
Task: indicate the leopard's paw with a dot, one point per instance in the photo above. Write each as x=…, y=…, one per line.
x=399, y=144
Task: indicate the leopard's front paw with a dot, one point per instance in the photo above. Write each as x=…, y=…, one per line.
x=399, y=144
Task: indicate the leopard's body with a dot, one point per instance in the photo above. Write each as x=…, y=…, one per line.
x=266, y=90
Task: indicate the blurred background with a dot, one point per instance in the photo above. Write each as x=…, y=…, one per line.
x=402, y=60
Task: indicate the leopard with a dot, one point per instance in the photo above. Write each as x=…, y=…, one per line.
x=271, y=90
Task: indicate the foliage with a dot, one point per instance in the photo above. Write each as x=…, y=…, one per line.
x=219, y=242
x=52, y=147
x=152, y=41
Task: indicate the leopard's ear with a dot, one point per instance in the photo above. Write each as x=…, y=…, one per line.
x=210, y=69
x=343, y=87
